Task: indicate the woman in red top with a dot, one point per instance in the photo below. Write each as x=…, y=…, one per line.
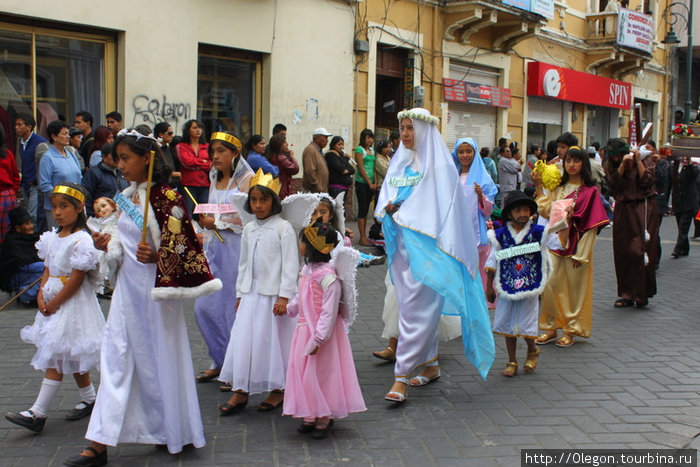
x=9, y=184
x=193, y=154
x=282, y=157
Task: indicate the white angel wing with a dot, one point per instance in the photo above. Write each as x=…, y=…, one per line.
x=339, y=203
x=345, y=259
x=238, y=200
x=297, y=209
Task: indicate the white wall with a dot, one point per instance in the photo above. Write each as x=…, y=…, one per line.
x=311, y=70
x=158, y=41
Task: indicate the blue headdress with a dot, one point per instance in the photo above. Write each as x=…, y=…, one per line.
x=479, y=175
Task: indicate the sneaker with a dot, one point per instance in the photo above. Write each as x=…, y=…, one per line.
x=78, y=413
x=33, y=423
x=377, y=260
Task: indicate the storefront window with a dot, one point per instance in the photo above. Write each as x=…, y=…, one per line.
x=227, y=92
x=51, y=75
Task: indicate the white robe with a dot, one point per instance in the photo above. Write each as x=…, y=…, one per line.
x=147, y=391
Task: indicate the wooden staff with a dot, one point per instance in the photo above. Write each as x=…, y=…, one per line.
x=216, y=232
x=147, y=202
x=20, y=293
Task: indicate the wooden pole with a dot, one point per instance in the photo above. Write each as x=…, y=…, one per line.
x=20, y=293
x=147, y=201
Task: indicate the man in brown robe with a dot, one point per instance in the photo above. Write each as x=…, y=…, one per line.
x=635, y=223
x=315, y=179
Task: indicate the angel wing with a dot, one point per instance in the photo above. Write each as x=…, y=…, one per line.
x=345, y=259
x=238, y=200
x=297, y=209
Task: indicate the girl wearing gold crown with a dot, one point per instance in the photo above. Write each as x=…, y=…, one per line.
x=147, y=391
x=68, y=328
x=258, y=351
x=321, y=378
x=222, y=224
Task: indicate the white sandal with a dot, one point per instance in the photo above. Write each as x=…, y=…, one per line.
x=399, y=397
x=421, y=380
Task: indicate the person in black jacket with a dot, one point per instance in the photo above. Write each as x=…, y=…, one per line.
x=103, y=180
x=664, y=179
x=685, y=202
x=20, y=264
x=340, y=170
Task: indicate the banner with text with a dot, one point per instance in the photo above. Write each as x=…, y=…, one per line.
x=475, y=93
x=635, y=30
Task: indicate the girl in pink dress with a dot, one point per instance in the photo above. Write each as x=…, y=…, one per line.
x=321, y=378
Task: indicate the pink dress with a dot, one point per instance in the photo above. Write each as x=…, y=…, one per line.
x=324, y=384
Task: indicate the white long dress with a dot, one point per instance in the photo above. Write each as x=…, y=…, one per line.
x=147, y=390
x=68, y=341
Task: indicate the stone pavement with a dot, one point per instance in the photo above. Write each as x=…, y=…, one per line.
x=634, y=384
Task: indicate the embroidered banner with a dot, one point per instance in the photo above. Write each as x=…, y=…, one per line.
x=518, y=250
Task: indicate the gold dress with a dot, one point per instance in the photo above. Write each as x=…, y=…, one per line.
x=567, y=299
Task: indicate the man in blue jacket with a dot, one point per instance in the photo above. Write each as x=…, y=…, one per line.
x=104, y=179
x=31, y=148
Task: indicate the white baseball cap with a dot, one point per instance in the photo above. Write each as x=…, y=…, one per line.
x=321, y=131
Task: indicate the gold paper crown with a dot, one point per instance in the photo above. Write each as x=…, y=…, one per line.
x=226, y=137
x=72, y=192
x=266, y=180
x=317, y=241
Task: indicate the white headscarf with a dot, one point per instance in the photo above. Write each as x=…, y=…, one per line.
x=437, y=204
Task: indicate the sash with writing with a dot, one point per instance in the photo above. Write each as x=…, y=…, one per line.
x=129, y=209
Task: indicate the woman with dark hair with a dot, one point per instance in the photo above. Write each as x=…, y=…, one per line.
x=567, y=299
x=278, y=151
x=364, y=181
x=632, y=181
x=58, y=165
x=146, y=363
x=230, y=174
x=340, y=170
x=254, y=153
x=164, y=132
x=193, y=155
x=9, y=185
x=103, y=135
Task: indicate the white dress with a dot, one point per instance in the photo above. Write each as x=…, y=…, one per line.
x=258, y=351
x=68, y=341
x=147, y=389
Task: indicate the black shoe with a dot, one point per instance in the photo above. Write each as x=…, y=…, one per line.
x=306, y=428
x=33, y=423
x=320, y=433
x=77, y=414
x=99, y=459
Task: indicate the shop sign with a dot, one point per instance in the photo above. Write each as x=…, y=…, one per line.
x=541, y=7
x=635, y=30
x=408, y=83
x=475, y=93
x=575, y=86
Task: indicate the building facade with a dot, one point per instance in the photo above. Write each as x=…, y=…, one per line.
x=526, y=70
x=238, y=66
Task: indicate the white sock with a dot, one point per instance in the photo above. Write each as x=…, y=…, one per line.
x=49, y=389
x=87, y=394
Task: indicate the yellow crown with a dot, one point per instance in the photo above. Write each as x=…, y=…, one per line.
x=266, y=180
x=226, y=137
x=317, y=241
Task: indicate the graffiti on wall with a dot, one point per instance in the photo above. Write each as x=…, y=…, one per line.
x=153, y=111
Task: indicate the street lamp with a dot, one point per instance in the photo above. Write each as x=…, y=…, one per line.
x=672, y=39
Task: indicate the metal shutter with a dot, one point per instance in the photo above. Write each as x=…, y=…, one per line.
x=472, y=120
x=541, y=110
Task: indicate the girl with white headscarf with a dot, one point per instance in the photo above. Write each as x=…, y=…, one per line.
x=433, y=260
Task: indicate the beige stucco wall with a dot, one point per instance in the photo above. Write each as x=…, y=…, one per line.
x=311, y=80
x=306, y=47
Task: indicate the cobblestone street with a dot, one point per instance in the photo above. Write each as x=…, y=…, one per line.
x=634, y=384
